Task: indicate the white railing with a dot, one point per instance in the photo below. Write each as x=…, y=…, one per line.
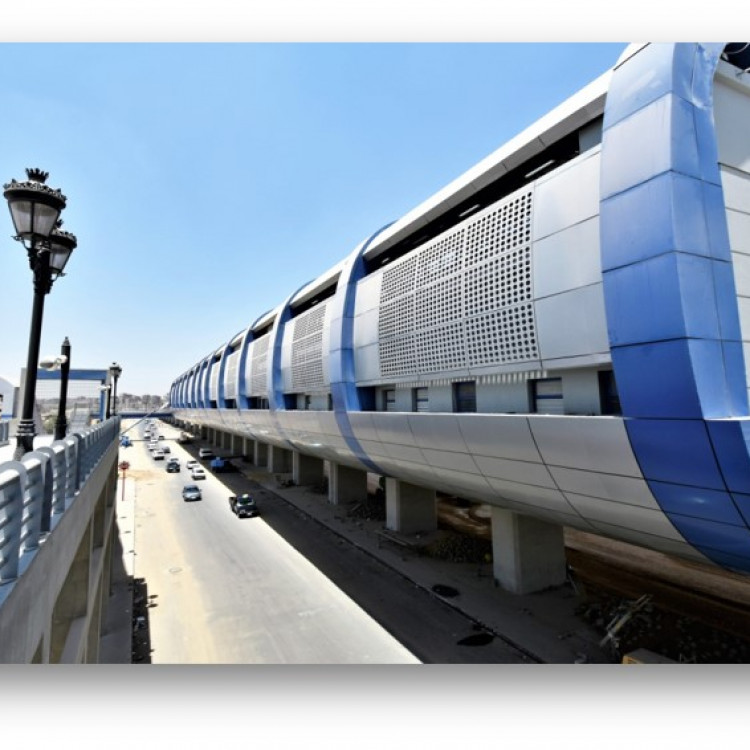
x=36, y=491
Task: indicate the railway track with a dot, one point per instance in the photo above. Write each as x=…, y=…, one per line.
x=684, y=594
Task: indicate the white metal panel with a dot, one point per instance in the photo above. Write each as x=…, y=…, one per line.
x=567, y=196
x=503, y=437
x=536, y=497
x=567, y=259
x=629, y=490
x=731, y=115
x=437, y=431
x=738, y=224
x=362, y=426
x=736, y=186
x=590, y=443
x=741, y=265
x=393, y=428
x=406, y=453
x=572, y=324
x=368, y=294
x=365, y=328
x=643, y=520
x=450, y=461
x=286, y=356
x=515, y=471
x=367, y=363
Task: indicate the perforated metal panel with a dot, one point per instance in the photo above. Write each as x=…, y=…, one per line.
x=307, y=350
x=230, y=375
x=259, y=367
x=463, y=299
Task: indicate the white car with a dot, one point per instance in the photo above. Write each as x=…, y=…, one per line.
x=198, y=473
x=158, y=455
x=192, y=462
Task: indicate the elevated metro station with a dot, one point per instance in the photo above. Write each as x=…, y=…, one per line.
x=561, y=333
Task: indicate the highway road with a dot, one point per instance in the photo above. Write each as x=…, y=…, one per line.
x=232, y=591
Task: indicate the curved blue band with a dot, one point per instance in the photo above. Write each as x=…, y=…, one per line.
x=670, y=296
x=344, y=391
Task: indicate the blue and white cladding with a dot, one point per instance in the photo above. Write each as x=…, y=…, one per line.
x=631, y=254
x=670, y=294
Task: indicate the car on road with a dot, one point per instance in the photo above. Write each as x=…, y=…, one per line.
x=158, y=455
x=198, y=473
x=173, y=465
x=192, y=462
x=166, y=448
x=191, y=492
x=205, y=453
x=243, y=506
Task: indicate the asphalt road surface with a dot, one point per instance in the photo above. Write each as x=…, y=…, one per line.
x=276, y=589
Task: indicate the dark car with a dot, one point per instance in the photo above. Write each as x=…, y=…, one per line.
x=191, y=492
x=173, y=465
x=243, y=506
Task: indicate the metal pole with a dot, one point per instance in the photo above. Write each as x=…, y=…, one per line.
x=26, y=429
x=114, y=398
x=61, y=425
x=109, y=400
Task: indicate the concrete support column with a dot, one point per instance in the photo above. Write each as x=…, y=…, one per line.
x=247, y=448
x=346, y=485
x=306, y=469
x=279, y=460
x=409, y=508
x=260, y=453
x=528, y=554
x=235, y=445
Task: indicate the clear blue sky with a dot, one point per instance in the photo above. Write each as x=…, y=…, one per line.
x=207, y=181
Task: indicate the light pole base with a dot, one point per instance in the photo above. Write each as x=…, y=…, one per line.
x=25, y=434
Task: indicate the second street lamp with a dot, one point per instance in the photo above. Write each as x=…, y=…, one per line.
x=61, y=425
x=115, y=371
x=35, y=209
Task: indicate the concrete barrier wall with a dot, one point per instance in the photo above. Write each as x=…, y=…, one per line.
x=52, y=609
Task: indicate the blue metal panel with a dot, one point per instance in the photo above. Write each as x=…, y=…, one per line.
x=729, y=439
x=655, y=380
x=675, y=450
x=646, y=302
x=697, y=502
x=713, y=539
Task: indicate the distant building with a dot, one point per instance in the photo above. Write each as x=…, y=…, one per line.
x=8, y=399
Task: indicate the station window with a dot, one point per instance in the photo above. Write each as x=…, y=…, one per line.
x=420, y=399
x=308, y=401
x=547, y=396
x=465, y=396
x=389, y=400
x=610, y=398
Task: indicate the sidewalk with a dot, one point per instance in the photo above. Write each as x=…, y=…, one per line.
x=543, y=624
x=116, y=644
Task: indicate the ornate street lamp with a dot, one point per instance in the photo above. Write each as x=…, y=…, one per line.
x=35, y=209
x=115, y=371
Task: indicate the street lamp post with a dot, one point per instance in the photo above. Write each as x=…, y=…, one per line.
x=115, y=371
x=35, y=209
x=61, y=425
x=108, y=412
